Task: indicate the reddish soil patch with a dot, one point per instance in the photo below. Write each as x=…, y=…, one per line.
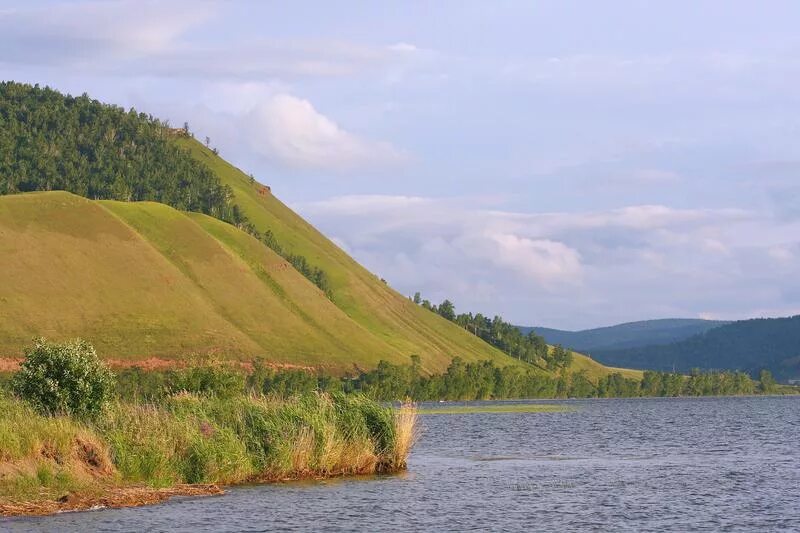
x=155, y=363
x=10, y=364
x=113, y=497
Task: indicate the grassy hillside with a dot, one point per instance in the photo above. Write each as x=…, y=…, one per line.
x=142, y=279
x=628, y=335
x=747, y=345
x=358, y=293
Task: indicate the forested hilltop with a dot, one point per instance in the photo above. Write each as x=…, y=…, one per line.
x=50, y=141
x=746, y=345
x=627, y=335
x=528, y=347
x=160, y=249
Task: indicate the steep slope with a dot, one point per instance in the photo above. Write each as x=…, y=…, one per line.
x=747, y=345
x=142, y=279
x=367, y=300
x=628, y=335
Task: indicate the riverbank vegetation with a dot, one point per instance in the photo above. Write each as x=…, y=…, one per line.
x=461, y=381
x=504, y=336
x=480, y=381
x=183, y=437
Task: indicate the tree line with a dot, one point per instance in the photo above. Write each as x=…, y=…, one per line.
x=504, y=336
x=50, y=141
x=482, y=380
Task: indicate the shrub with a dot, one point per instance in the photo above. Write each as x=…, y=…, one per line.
x=208, y=378
x=66, y=378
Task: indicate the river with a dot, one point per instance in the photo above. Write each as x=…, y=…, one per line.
x=706, y=464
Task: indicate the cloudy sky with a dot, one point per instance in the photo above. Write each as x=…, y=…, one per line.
x=568, y=164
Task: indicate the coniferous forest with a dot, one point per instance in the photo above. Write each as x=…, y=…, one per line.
x=528, y=347
x=51, y=141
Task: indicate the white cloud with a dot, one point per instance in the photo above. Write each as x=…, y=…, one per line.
x=592, y=267
x=781, y=254
x=545, y=261
x=291, y=131
x=262, y=127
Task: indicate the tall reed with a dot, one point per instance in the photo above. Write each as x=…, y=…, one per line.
x=188, y=438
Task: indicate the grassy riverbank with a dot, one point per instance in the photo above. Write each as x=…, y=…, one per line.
x=48, y=462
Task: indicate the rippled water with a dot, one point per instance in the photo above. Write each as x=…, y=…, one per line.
x=711, y=464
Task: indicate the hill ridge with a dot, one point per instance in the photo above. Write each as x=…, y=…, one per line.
x=142, y=279
x=628, y=334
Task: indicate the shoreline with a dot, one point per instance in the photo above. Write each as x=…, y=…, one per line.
x=120, y=496
x=109, y=498
x=140, y=454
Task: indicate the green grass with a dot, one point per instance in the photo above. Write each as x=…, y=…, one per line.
x=194, y=439
x=142, y=280
x=379, y=310
x=495, y=408
x=594, y=370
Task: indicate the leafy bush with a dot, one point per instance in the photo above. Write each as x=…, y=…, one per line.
x=65, y=378
x=208, y=378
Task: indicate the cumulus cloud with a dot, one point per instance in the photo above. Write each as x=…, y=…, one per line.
x=263, y=126
x=620, y=264
x=291, y=131
x=548, y=262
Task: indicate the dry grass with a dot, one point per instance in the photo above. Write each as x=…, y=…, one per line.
x=43, y=456
x=197, y=440
x=406, y=432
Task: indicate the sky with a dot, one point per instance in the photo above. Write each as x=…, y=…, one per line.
x=562, y=164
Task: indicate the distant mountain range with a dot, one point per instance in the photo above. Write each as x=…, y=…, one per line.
x=684, y=344
x=628, y=335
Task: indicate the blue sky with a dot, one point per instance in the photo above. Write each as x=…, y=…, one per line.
x=569, y=164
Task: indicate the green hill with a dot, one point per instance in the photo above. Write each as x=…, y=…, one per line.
x=747, y=345
x=628, y=335
x=143, y=279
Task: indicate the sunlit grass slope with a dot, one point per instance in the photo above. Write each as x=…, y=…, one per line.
x=71, y=268
x=595, y=370
x=368, y=301
x=360, y=294
x=143, y=280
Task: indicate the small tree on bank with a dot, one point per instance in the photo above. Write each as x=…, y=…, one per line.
x=64, y=378
x=767, y=383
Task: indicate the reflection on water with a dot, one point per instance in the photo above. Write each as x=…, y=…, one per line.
x=656, y=464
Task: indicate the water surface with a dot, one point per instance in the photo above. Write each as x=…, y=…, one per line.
x=707, y=464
